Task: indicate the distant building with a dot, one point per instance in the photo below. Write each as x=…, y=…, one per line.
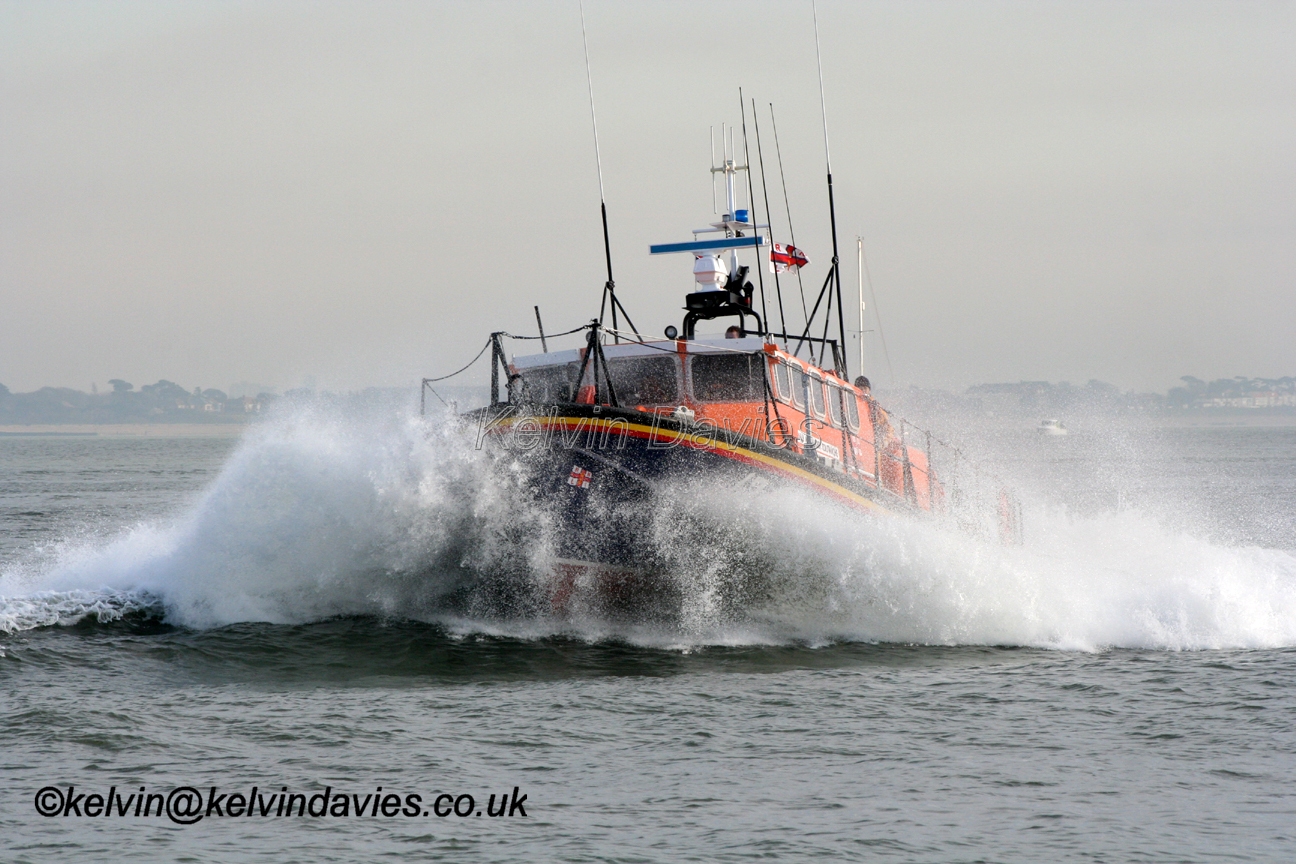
x=1252, y=400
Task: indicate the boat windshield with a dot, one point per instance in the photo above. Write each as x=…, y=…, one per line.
x=729, y=378
x=548, y=384
x=645, y=380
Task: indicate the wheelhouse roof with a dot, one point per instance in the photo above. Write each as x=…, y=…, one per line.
x=652, y=348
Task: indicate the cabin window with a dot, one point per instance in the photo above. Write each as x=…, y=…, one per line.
x=835, y=406
x=547, y=384
x=783, y=381
x=645, y=380
x=796, y=386
x=852, y=410
x=816, y=388
x=728, y=378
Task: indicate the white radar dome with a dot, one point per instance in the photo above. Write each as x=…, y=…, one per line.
x=710, y=270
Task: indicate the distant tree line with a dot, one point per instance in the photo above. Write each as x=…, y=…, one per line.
x=1239, y=392
x=1278, y=394
x=1040, y=399
x=163, y=402
x=168, y=402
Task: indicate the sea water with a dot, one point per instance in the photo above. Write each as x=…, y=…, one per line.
x=287, y=612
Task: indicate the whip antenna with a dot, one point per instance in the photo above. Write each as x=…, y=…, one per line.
x=598, y=159
x=859, y=243
x=823, y=108
x=832, y=208
x=609, y=288
x=805, y=312
x=877, y=316
x=751, y=202
x=778, y=289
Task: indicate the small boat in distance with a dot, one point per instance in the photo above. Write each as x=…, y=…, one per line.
x=1052, y=427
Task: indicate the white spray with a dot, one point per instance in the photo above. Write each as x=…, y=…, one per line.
x=316, y=515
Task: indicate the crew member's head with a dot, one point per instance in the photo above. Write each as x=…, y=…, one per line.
x=863, y=384
x=733, y=332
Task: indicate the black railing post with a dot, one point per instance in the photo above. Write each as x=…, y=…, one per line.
x=595, y=355
x=597, y=346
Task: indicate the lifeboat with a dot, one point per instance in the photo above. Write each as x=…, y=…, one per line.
x=606, y=429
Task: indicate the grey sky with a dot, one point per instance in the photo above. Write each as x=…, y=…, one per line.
x=362, y=191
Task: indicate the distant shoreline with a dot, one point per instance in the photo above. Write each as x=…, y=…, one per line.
x=123, y=430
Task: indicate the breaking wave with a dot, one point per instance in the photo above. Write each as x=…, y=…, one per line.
x=317, y=516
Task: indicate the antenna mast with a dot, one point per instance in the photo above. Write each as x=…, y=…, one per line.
x=609, y=288
x=877, y=316
x=751, y=204
x=832, y=209
x=859, y=245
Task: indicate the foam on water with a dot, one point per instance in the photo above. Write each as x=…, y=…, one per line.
x=317, y=515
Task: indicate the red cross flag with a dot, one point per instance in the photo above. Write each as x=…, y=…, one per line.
x=579, y=477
